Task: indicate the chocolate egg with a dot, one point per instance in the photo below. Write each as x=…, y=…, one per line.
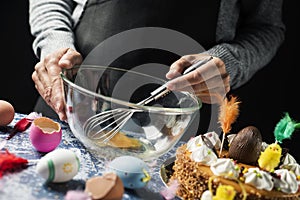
x=246, y=145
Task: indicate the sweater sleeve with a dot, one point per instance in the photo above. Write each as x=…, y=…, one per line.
x=254, y=43
x=51, y=24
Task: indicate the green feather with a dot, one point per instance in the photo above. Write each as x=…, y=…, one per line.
x=285, y=128
x=297, y=125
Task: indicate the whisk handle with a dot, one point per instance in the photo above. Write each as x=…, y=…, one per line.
x=199, y=63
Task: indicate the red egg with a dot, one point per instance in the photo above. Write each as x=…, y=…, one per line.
x=7, y=113
x=45, y=134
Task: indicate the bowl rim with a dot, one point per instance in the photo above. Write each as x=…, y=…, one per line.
x=125, y=103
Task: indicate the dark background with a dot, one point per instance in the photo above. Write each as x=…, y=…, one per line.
x=265, y=98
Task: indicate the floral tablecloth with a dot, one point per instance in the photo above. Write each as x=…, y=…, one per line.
x=28, y=185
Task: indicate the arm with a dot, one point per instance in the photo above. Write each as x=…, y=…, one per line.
x=247, y=40
x=51, y=24
x=253, y=44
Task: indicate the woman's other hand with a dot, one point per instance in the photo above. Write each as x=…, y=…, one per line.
x=210, y=82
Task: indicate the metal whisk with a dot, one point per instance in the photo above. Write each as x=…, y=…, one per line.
x=106, y=120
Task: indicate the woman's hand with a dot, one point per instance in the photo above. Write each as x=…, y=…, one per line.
x=47, y=77
x=210, y=82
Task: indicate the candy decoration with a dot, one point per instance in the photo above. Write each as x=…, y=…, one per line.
x=225, y=192
x=284, y=128
x=228, y=113
x=269, y=159
x=77, y=195
x=9, y=162
x=170, y=192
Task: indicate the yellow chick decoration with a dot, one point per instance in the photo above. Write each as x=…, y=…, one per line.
x=269, y=159
x=225, y=192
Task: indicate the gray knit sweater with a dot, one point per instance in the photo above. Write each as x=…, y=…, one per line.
x=245, y=45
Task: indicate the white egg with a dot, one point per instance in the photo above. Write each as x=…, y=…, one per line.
x=58, y=166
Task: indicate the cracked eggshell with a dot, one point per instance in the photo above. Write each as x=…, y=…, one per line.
x=45, y=134
x=108, y=186
x=58, y=166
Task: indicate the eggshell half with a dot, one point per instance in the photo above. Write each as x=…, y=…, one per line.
x=58, y=166
x=132, y=171
x=107, y=186
x=45, y=134
x=7, y=113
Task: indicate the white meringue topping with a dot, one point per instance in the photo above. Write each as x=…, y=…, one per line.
x=214, y=139
x=259, y=179
x=206, y=195
x=289, y=159
x=286, y=182
x=204, y=155
x=194, y=143
x=225, y=167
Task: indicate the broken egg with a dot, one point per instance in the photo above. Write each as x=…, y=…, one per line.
x=45, y=134
x=107, y=186
x=246, y=145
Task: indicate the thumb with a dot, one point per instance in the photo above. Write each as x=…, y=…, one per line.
x=70, y=58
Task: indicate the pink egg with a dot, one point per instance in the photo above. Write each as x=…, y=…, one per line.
x=45, y=134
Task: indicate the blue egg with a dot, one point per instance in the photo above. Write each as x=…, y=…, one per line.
x=133, y=171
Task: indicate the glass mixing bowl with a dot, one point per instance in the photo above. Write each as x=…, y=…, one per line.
x=104, y=113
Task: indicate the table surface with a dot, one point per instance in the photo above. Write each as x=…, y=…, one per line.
x=27, y=184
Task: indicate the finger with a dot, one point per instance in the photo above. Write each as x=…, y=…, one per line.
x=203, y=91
x=43, y=83
x=38, y=84
x=208, y=99
x=210, y=84
x=217, y=82
x=177, y=68
x=57, y=98
x=70, y=58
x=53, y=96
x=213, y=96
x=41, y=75
x=45, y=93
x=201, y=74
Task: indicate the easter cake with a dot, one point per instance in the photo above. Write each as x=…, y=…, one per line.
x=247, y=169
